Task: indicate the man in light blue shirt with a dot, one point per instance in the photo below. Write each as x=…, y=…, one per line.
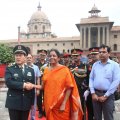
x=37, y=81
x=103, y=82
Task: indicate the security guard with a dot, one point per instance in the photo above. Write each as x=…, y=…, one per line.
x=19, y=79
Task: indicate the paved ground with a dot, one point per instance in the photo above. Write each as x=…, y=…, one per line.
x=4, y=112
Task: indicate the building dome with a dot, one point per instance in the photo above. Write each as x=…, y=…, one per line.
x=39, y=25
x=94, y=9
x=38, y=16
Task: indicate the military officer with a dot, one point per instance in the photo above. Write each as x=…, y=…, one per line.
x=19, y=79
x=66, y=59
x=93, y=57
x=80, y=74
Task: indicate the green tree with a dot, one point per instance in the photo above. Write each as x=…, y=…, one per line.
x=6, y=54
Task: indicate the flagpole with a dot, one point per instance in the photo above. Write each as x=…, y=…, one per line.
x=18, y=35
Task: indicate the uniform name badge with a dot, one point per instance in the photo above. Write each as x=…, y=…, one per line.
x=29, y=74
x=15, y=75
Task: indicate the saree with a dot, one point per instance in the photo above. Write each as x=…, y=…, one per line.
x=56, y=82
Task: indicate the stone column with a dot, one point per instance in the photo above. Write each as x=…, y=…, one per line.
x=81, y=34
x=84, y=38
x=107, y=42
x=89, y=37
x=103, y=37
x=98, y=42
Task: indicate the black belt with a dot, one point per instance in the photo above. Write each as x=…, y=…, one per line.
x=100, y=91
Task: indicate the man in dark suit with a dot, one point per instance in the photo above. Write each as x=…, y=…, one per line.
x=19, y=79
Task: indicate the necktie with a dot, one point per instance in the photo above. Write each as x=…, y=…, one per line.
x=22, y=69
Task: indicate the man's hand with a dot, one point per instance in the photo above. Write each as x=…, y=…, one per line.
x=37, y=92
x=102, y=98
x=94, y=97
x=28, y=86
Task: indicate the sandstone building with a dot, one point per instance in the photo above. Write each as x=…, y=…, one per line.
x=94, y=31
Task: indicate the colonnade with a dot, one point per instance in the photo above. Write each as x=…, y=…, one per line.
x=93, y=36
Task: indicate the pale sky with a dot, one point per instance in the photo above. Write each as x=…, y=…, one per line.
x=63, y=14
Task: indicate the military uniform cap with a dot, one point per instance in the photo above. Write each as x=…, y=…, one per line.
x=65, y=55
x=94, y=50
x=42, y=51
x=76, y=52
x=20, y=49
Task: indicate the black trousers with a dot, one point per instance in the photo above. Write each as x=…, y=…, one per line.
x=18, y=114
x=39, y=102
x=89, y=105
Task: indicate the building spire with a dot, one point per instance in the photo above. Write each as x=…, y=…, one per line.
x=39, y=7
x=94, y=11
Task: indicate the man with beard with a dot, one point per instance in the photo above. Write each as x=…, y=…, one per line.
x=79, y=71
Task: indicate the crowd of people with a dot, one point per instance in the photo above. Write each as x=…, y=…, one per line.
x=62, y=87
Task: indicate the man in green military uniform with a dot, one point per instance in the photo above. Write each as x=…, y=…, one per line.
x=94, y=56
x=80, y=74
x=19, y=79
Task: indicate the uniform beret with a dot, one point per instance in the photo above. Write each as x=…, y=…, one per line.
x=76, y=51
x=94, y=50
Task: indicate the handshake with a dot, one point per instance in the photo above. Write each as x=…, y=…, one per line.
x=30, y=86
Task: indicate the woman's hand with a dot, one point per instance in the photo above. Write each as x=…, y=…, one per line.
x=38, y=87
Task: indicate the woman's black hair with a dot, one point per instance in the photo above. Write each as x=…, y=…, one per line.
x=56, y=51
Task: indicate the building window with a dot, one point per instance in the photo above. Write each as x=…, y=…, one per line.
x=71, y=44
x=35, y=27
x=115, y=47
x=38, y=45
x=68, y=50
x=43, y=28
x=48, y=44
x=115, y=36
x=55, y=44
x=63, y=44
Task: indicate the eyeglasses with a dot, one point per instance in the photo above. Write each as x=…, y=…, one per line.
x=103, y=52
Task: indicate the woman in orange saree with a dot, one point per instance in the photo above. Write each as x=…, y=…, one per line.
x=61, y=97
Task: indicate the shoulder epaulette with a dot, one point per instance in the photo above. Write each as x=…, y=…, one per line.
x=11, y=64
